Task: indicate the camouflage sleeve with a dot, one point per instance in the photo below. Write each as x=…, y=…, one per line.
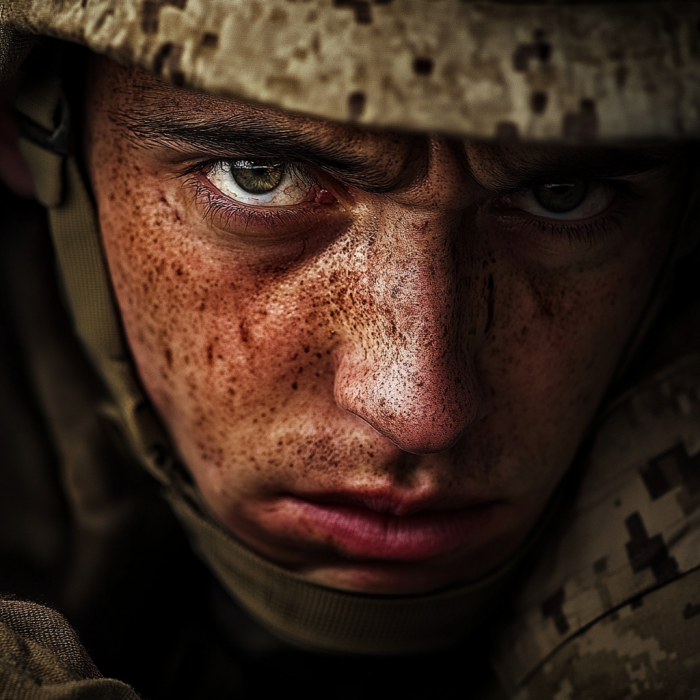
x=610, y=608
x=648, y=649
x=42, y=659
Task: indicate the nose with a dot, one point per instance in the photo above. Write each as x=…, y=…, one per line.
x=406, y=367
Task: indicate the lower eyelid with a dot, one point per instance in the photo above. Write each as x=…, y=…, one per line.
x=589, y=231
x=227, y=214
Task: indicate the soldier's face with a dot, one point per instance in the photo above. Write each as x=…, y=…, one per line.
x=376, y=353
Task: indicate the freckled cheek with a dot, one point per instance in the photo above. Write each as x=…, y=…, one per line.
x=149, y=268
x=201, y=335
x=557, y=349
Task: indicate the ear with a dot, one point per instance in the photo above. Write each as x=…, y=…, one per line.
x=14, y=172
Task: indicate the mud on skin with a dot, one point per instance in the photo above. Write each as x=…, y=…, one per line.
x=413, y=338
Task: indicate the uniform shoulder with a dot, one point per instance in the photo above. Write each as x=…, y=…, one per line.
x=612, y=588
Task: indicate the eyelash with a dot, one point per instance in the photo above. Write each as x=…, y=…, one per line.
x=223, y=212
x=588, y=232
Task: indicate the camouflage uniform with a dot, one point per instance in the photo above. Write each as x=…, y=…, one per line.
x=612, y=606
x=603, y=606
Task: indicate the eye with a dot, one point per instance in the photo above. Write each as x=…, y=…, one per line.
x=578, y=199
x=561, y=198
x=260, y=182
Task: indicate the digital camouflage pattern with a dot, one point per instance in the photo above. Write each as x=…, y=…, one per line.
x=612, y=609
x=562, y=71
x=648, y=649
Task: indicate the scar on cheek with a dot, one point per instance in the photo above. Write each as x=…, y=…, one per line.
x=324, y=197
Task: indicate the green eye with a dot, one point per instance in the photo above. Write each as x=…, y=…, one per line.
x=257, y=176
x=561, y=198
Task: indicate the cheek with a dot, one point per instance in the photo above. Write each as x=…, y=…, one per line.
x=221, y=356
x=557, y=340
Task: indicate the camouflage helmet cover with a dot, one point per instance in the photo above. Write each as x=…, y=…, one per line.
x=557, y=71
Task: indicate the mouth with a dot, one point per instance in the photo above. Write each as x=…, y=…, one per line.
x=379, y=528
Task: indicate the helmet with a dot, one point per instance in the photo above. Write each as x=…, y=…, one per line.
x=559, y=70
x=553, y=71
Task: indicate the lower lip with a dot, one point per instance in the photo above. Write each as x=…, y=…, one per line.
x=362, y=533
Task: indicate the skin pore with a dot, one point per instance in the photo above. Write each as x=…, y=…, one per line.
x=399, y=328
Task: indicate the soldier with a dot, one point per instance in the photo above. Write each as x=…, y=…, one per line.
x=364, y=292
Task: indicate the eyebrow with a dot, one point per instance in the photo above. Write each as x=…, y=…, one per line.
x=253, y=136
x=568, y=164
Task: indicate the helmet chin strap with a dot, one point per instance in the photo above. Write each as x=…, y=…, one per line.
x=299, y=611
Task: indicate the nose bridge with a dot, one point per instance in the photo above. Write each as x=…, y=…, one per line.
x=446, y=183
x=405, y=367
x=415, y=286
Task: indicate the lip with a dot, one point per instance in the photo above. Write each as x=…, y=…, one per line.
x=381, y=528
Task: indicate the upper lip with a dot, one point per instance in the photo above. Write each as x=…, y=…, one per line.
x=389, y=502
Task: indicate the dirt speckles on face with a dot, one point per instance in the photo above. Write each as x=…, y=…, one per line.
x=422, y=342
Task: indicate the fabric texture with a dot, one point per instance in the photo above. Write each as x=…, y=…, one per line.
x=647, y=649
x=14, y=46
x=551, y=71
x=613, y=598
x=42, y=659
